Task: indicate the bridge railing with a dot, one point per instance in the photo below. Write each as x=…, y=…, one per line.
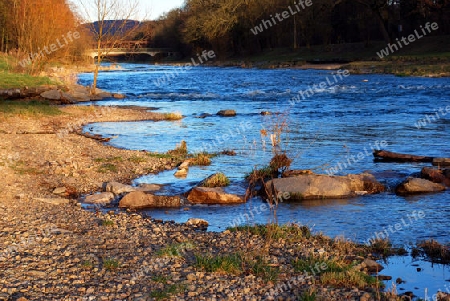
x=132, y=50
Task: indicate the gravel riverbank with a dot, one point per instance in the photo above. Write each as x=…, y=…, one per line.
x=54, y=251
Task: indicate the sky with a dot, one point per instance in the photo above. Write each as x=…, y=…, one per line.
x=150, y=8
x=158, y=7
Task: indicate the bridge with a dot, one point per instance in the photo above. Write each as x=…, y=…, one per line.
x=131, y=51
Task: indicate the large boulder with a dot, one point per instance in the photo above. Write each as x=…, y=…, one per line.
x=118, y=188
x=141, y=200
x=99, y=198
x=206, y=195
x=435, y=175
x=307, y=186
x=416, y=186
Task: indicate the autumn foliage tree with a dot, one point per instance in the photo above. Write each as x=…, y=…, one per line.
x=28, y=26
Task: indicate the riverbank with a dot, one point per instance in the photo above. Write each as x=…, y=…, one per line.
x=427, y=57
x=54, y=250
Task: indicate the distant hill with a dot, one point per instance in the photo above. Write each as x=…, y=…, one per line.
x=113, y=26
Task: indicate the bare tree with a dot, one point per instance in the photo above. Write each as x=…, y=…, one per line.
x=111, y=22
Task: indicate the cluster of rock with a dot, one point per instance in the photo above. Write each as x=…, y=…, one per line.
x=221, y=113
x=429, y=180
x=78, y=93
x=143, y=196
x=65, y=94
x=131, y=197
x=306, y=186
x=293, y=186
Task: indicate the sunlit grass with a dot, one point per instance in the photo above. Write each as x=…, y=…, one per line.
x=27, y=108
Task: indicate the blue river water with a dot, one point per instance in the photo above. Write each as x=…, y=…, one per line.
x=322, y=119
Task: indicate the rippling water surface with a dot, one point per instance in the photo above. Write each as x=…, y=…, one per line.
x=344, y=117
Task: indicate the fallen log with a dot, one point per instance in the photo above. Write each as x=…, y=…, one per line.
x=387, y=156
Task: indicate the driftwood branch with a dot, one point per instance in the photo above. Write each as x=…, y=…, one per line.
x=387, y=156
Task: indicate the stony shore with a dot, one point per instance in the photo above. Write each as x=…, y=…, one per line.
x=52, y=251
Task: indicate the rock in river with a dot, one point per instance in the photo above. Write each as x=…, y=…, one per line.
x=315, y=186
x=435, y=175
x=416, y=185
x=141, y=200
x=118, y=188
x=99, y=198
x=197, y=222
x=227, y=113
x=206, y=195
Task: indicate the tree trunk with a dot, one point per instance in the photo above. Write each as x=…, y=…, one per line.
x=383, y=30
x=94, y=84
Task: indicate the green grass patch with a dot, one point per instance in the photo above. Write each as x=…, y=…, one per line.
x=161, y=278
x=107, y=167
x=160, y=156
x=318, y=266
x=87, y=265
x=136, y=159
x=307, y=296
x=236, y=264
x=18, y=80
x=10, y=79
x=274, y=231
x=21, y=168
x=174, y=250
x=261, y=268
x=229, y=263
x=335, y=272
x=107, y=223
x=111, y=264
x=350, y=278
x=28, y=108
x=167, y=291
x=114, y=159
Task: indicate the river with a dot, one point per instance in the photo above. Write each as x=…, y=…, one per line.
x=328, y=120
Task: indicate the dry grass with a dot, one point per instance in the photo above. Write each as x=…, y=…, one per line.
x=201, y=159
x=434, y=250
x=216, y=180
x=173, y=116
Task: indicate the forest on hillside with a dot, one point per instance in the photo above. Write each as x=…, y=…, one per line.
x=227, y=25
